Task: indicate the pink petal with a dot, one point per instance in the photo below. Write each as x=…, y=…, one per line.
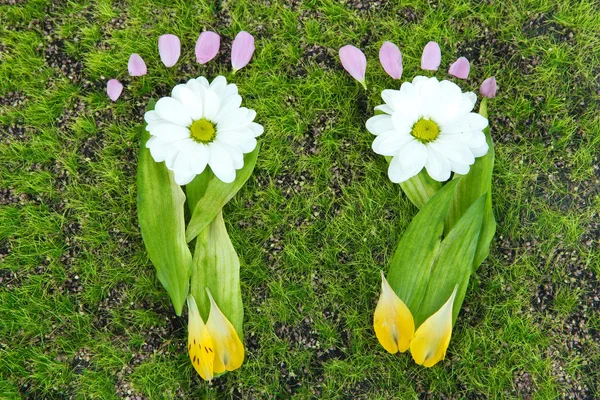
x=169, y=48
x=489, y=87
x=114, y=89
x=391, y=59
x=460, y=68
x=432, y=57
x=136, y=65
x=207, y=46
x=354, y=61
x=242, y=50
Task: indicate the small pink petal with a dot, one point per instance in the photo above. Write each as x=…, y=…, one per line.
x=136, y=65
x=114, y=89
x=169, y=48
x=432, y=57
x=391, y=59
x=355, y=62
x=207, y=46
x=489, y=87
x=460, y=68
x=242, y=50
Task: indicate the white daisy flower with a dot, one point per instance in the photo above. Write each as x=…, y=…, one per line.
x=428, y=124
x=202, y=124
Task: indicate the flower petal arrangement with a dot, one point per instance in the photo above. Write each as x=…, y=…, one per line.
x=201, y=137
x=428, y=124
x=202, y=125
x=441, y=153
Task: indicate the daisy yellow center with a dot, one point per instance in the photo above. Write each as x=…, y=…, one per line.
x=203, y=131
x=425, y=130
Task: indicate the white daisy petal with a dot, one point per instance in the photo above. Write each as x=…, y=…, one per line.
x=476, y=140
x=182, y=179
x=470, y=97
x=168, y=132
x=384, y=108
x=218, y=85
x=403, y=124
x=418, y=81
x=379, y=124
x=396, y=173
x=191, y=102
x=480, y=151
x=203, y=81
x=459, y=168
x=249, y=117
x=237, y=157
x=220, y=163
x=471, y=122
x=437, y=165
x=182, y=164
x=233, y=137
x=199, y=159
x=390, y=143
x=151, y=116
x=211, y=104
x=173, y=111
x=256, y=129
x=412, y=157
x=196, y=87
x=157, y=149
x=247, y=146
x=230, y=90
x=235, y=119
x=228, y=105
x=456, y=152
x=185, y=145
x=170, y=156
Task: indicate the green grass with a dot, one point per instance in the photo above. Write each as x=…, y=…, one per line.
x=82, y=314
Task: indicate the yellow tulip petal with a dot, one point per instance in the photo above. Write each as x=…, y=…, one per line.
x=200, y=343
x=393, y=322
x=433, y=336
x=229, y=350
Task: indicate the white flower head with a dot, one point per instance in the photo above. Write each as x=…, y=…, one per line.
x=202, y=125
x=428, y=123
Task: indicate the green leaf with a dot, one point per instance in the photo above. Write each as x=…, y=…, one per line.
x=216, y=266
x=477, y=182
x=420, y=188
x=453, y=265
x=160, y=203
x=418, y=248
x=207, y=194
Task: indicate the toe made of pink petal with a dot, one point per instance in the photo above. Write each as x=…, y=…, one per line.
x=460, y=68
x=391, y=59
x=489, y=87
x=242, y=50
x=354, y=61
x=432, y=57
x=169, y=49
x=136, y=65
x=207, y=46
x=114, y=88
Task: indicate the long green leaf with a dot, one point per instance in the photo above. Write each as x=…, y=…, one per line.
x=453, y=265
x=418, y=248
x=216, y=266
x=160, y=203
x=477, y=182
x=207, y=195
